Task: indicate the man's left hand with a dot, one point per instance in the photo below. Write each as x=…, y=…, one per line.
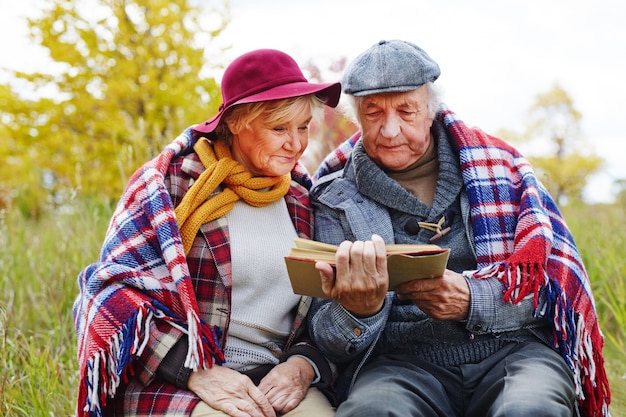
x=442, y=298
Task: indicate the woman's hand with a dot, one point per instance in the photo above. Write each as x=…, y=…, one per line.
x=287, y=383
x=230, y=392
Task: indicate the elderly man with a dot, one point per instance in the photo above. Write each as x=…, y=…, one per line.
x=510, y=328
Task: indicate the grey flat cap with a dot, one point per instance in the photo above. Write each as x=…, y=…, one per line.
x=389, y=66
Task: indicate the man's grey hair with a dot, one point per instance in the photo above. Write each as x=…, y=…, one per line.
x=350, y=104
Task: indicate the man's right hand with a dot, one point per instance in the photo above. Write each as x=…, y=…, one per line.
x=230, y=392
x=360, y=279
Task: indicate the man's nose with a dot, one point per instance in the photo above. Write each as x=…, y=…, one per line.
x=390, y=127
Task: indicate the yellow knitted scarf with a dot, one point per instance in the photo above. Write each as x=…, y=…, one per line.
x=197, y=208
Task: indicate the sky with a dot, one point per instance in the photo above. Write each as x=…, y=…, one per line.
x=495, y=57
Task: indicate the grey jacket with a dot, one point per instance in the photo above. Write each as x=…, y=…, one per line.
x=360, y=200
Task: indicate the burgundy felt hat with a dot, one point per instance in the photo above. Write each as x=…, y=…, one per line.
x=266, y=74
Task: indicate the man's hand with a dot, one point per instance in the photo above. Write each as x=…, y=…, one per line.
x=442, y=298
x=230, y=392
x=360, y=280
x=287, y=383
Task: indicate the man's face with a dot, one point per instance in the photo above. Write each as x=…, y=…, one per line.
x=395, y=127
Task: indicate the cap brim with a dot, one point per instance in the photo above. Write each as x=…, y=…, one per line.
x=395, y=89
x=329, y=92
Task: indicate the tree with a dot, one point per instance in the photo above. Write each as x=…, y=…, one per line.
x=554, y=121
x=620, y=184
x=126, y=76
x=334, y=128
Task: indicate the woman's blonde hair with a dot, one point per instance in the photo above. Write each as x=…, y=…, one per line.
x=273, y=111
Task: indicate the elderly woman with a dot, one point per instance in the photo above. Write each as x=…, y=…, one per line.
x=189, y=310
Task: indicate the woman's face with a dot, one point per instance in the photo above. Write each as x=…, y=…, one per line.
x=272, y=149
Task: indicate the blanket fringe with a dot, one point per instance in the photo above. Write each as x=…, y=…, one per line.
x=590, y=375
x=582, y=349
x=108, y=367
x=577, y=344
x=203, y=336
x=521, y=280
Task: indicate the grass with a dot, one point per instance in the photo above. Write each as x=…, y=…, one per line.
x=600, y=233
x=39, y=262
x=40, y=259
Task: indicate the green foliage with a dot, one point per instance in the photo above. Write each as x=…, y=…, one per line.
x=566, y=177
x=565, y=166
x=565, y=172
x=127, y=77
x=620, y=198
x=554, y=115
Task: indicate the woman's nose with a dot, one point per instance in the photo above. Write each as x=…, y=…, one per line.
x=295, y=141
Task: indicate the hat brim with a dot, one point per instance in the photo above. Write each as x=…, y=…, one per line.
x=394, y=89
x=329, y=92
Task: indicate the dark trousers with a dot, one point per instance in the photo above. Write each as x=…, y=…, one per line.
x=521, y=379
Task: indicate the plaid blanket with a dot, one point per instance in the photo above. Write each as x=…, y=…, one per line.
x=521, y=238
x=141, y=275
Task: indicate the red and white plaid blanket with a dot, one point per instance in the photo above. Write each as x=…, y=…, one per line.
x=141, y=275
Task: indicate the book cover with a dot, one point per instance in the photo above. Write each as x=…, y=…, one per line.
x=405, y=262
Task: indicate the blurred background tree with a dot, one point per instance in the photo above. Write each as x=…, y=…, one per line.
x=334, y=128
x=126, y=77
x=565, y=162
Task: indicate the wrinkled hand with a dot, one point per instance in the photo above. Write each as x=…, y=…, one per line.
x=442, y=298
x=360, y=281
x=230, y=392
x=287, y=383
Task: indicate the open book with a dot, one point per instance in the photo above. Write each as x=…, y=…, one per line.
x=405, y=262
